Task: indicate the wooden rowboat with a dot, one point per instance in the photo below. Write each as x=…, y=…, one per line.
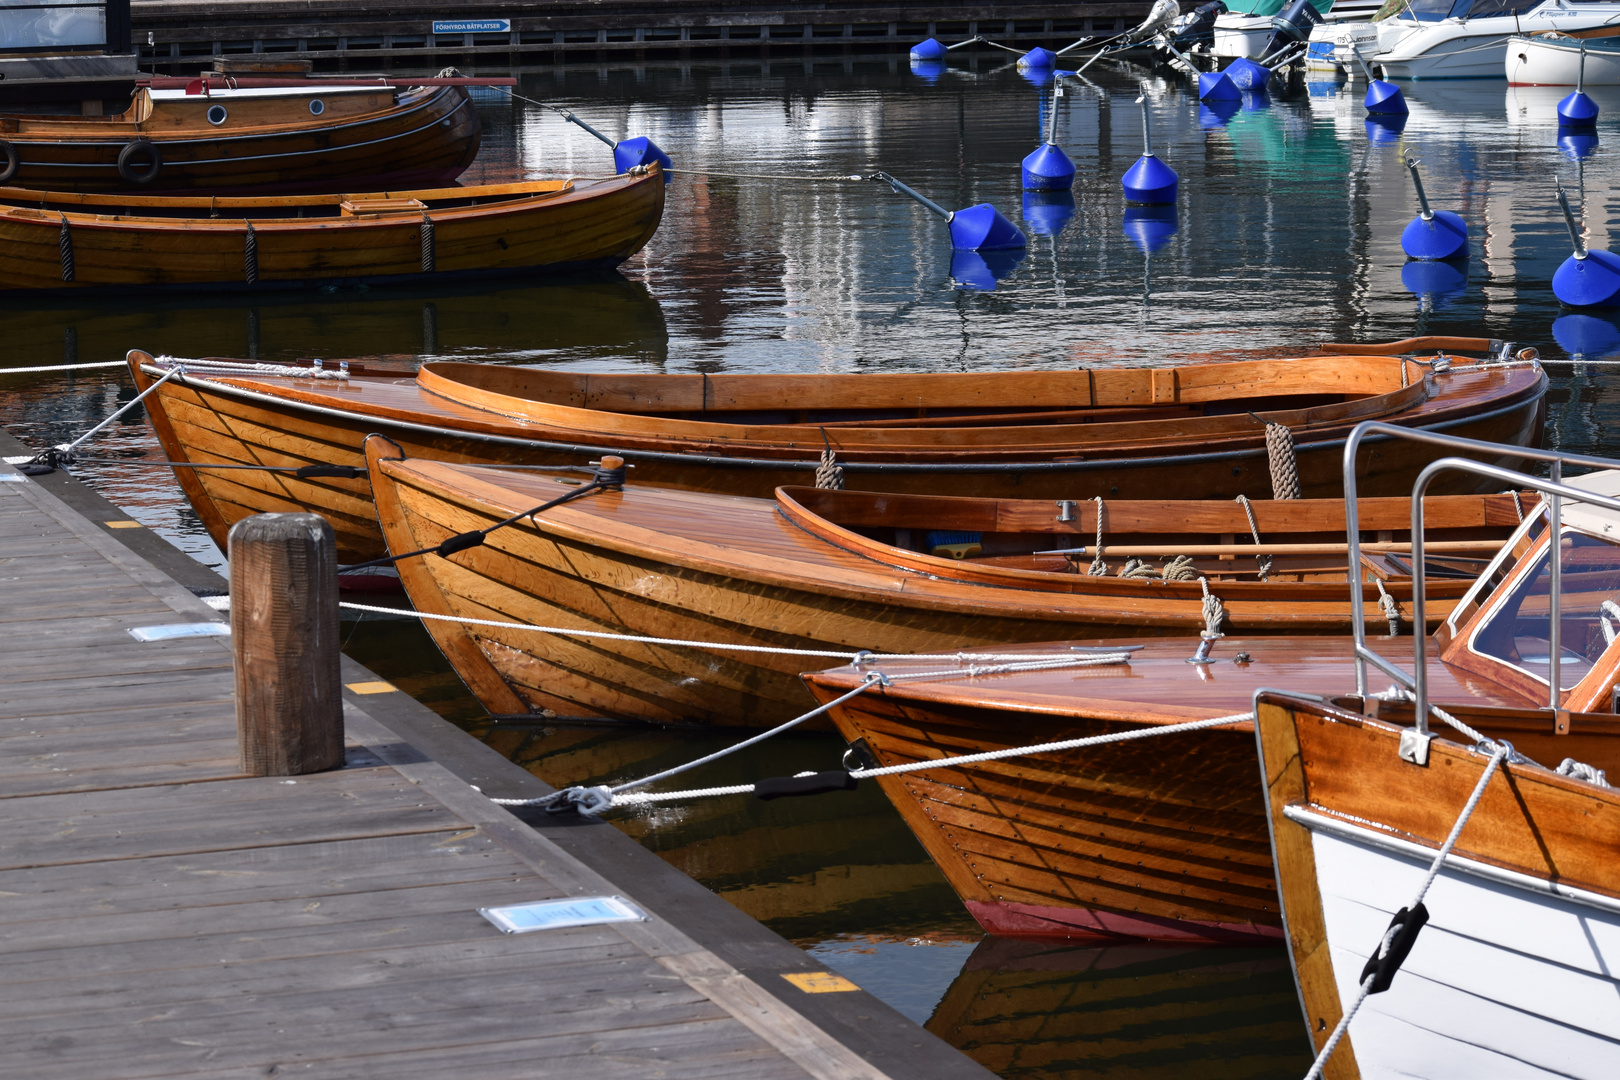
x=1167, y=838
x=66, y=242
x=1135, y=433
x=1517, y=971
x=727, y=571
x=293, y=135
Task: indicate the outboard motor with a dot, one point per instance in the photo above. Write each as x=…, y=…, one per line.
x=1291, y=25
x=1197, y=27
x=1161, y=15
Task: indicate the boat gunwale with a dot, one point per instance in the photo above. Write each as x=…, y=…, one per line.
x=310, y=405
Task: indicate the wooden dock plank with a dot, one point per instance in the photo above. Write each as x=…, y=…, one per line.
x=229, y=926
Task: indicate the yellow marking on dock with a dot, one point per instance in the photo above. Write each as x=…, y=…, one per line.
x=378, y=687
x=820, y=982
x=122, y=524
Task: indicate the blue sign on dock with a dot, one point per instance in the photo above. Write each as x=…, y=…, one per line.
x=472, y=26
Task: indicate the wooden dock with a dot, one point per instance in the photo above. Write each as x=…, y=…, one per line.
x=163, y=915
x=349, y=34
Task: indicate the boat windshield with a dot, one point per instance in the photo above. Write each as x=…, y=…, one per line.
x=1516, y=631
x=1435, y=10
x=1260, y=8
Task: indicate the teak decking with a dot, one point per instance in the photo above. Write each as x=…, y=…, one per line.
x=749, y=434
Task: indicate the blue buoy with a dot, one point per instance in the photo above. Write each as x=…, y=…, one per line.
x=1048, y=212
x=1433, y=234
x=982, y=228
x=1217, y=114
x=629, y=153
x=1384, y=129
x=1038, y=59
x=928, y=71
x=928, y=49
x=1577, y=144
x=1589, y=277
x=1149, y=180
x=1435, y=283
x=1586, y=337
x=1247, y=75
x=1048, y=168
x=1577, y=110
x=1217, y=86
x=1150, y=227
x=979, y=271
x=1383, y=98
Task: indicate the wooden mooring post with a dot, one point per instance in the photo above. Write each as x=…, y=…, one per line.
x=284, y=631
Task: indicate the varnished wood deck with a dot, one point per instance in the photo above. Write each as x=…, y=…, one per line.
x=165, y=916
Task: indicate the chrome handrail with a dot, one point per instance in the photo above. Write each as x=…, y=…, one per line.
x=1352, y=519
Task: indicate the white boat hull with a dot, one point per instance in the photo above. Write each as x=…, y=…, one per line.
x=1476, y=48
x=1540, y=62
x=1241, y=35
x=1510, y=979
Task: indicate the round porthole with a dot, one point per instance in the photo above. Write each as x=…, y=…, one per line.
x=216, y=114
x=316, y=107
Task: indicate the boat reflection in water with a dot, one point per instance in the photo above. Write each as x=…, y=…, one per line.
x=1031, y=1010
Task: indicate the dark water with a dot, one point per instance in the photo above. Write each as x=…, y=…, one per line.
x=1286, y=234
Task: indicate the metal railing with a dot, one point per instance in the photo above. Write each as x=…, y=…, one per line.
x=1554, y=490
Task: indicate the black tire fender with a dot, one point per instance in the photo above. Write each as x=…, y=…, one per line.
x=133, y=150
x=9, y=162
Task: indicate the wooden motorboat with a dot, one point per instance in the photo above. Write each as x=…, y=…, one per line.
x=225, y=133
x=811, y=570
x=1166, y=838
x=60, y=242
x=1196, y=431
x=1517, y=971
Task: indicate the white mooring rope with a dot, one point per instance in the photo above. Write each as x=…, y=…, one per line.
x=62, y=367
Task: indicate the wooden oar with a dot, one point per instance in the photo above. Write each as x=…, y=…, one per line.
x=1438, y=547
x=1412, y=344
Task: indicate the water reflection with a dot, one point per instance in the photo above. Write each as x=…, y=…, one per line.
x=1034, y=1010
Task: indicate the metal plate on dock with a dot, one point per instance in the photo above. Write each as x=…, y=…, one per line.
x=180, y=630
x=557, y=914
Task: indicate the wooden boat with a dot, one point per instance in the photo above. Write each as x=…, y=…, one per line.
x=1517, y=972
x=60, y=242
x=1137, y=433
x=727, y=570
x=1166, y=838
x=224, y=133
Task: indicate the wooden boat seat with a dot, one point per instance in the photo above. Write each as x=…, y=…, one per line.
x=353, y=207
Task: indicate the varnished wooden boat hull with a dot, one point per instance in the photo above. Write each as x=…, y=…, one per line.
x=1515, y=972
x=258, y=421
x=1164, y=838
x=721, y=571
x=594, y=225
x=428, y=137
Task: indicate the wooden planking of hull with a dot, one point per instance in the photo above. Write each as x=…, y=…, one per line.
x=62, y=242
x=731, y=571
x=321, y=137
x=1165, y=840
x=1515, y=972
x=290, y=423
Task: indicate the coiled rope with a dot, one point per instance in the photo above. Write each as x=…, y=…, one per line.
x=1284, y=464
x=64, y=244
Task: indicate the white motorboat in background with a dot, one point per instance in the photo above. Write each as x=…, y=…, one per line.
x=1555, y=59
x=1468, y=39
x=1249, y=26
x=1347, y=22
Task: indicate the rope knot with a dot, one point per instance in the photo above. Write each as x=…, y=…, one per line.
x=1391, y=609
x=584, y=801
x=829, y=474
x=1214, y=613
